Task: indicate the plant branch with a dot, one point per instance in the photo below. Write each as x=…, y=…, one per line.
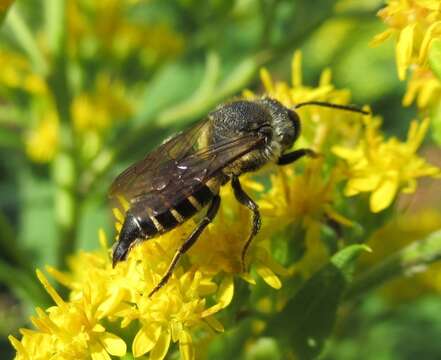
x=412, y=259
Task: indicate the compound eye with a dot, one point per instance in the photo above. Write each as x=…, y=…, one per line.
x=295, y=123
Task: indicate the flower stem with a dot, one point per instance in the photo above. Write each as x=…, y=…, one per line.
x=65, y=166
x=411, y=259
x=26, y=40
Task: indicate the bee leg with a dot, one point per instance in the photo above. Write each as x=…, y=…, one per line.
x=244, y=199
x=295, y=155
x=211, y=213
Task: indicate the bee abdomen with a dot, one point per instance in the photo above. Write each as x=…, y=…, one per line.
x=186, y=208
x=132, y=230
x=138, y=224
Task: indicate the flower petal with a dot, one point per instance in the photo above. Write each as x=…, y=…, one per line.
x=425, y=44
x=146, y=339
x=97, y=352
x=404, y=50
x=186, y=347
x=214, y=323
x=268, y=276
x=383, y=196
x=226, y=291
x=113, y=344
x=161, y=347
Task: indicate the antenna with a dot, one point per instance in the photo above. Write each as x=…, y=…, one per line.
x=331, y=105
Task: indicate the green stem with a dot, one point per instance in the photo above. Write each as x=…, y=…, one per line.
x=26, y=40
x=65, y=166
x=67, y=201
x=10, y=248
x=413, y=258
x=24, y=285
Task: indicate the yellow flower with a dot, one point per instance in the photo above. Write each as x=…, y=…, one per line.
x=17, y=74
x=102, y=27
x=98, y=110
x=304, y=198
x=423, y=86
x=320, y=126
x=69, y=330
x=74, y=329
x=42, y=141
x=416, y=23
x=220, y=247
x=383, y=167
x=297, y=92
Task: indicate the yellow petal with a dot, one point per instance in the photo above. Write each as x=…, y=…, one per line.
x=110, y=304
x=97, y=352
x=425, y=44
x=344, y=152
x=381, y=37
x=264, y=257
x=62, y=278
x=18, y=346
x=404, y=50
x=226, y=291
x=334, y=215
x=113, y=344
x=367, y=183
x=266, y=80
x=123, y=201
x=118, y=215
x=98, y=328
x=161, y=348
x=383, y=196
x=214, y=324
x=325, y=77
x=145, y=339
x=248, y=278
x=102, y=239
x=268, y=276
x=186, y=347
x=296, y=69
x=50, y=290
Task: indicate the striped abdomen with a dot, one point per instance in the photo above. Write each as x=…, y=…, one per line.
x=139, y=222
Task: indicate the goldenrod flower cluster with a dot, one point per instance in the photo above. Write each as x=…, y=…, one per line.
x=416, y=26
x=109, y=311
x=93, y=30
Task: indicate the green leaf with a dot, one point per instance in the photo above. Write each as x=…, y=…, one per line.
x=308, y=318
x=435, y=57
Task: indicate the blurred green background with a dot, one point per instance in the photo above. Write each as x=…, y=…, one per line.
x=146, y=69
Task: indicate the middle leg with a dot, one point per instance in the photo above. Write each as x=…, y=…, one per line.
x=244, y=199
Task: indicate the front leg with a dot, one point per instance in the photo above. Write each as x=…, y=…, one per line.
x=295, y=155
x=244, y=199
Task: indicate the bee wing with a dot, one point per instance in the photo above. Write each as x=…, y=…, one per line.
x=177, y=168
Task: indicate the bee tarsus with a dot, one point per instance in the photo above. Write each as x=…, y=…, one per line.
x=245, y=200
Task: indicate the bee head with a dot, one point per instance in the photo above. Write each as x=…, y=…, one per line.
x=284, y=122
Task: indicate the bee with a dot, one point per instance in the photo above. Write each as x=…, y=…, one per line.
x=184, y=174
